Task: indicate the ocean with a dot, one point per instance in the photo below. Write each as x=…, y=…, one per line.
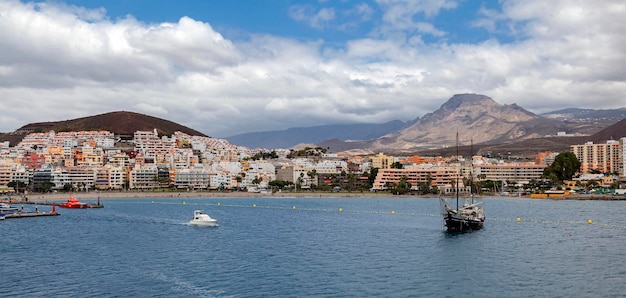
x=316, y=247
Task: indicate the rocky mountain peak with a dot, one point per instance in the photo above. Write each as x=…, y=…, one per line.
x=477, y=118
x=467, y=99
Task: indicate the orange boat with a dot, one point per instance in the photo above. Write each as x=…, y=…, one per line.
x=73, y=203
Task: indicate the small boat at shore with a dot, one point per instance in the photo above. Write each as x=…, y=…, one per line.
x=6, y=208
x=202, y=219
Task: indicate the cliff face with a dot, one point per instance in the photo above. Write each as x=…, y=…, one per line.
x=477, y=118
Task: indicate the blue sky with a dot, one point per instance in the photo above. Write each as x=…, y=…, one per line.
x=229, y=67
x=235, y=20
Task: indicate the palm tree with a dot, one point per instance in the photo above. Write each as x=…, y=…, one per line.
x=238, y=179
x=299, y=181
x=312, y=175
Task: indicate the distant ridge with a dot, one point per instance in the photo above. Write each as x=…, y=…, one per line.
x=613, y=132
x=120, y=123
x=575, y=114
x=316, y=134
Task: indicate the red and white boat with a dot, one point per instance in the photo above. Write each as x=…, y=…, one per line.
x=73, y=203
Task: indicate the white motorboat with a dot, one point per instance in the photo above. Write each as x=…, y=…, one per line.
x=202, y=219
x=7, y=209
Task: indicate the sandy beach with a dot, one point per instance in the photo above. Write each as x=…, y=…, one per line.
x=104, y=195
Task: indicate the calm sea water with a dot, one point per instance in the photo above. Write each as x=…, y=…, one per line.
x=144, y=248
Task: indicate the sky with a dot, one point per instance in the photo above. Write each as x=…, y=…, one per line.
x=231, y=67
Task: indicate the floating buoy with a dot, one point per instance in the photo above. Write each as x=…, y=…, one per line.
x=519, y=219
x=152, y=202
x=254, y=206
x=218, y=203
x=590, y=221
x=294, y=207
x=184, y=203
x=340, y=209
x=393, y=212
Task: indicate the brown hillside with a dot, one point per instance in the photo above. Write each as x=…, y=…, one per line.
x=613, y=132
x=530, y=147
x=119, y=123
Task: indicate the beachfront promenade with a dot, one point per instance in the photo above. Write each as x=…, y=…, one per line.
x=104, y=195
x=93, y=195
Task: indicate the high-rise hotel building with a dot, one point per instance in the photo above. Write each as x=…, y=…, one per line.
x=606, y=158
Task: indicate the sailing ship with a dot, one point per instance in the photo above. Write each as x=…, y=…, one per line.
x=468, y=214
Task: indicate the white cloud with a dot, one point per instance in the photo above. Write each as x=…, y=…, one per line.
x=315, y=18
x=60, y=62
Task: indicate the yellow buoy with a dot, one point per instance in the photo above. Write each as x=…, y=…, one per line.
x=340, y=209
x=590, y=221
x=519, y=219
x=184, y=203
x=218, y=203
x=254, y=206
x=393, y=212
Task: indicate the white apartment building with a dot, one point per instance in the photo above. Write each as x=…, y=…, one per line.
x=518, y=172
x=331, y=166
x=22, y=174
x=111, y=177
x=264, y=170
x=143, y=177
x=105, y=142
x=182, y=159
x=120, y=160
x=221, y=179
x=150, y=145
x=81, y=178
x=193, y=178
x=33, y=140
x=226, y=166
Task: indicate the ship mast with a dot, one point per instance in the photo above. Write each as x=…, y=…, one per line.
x=459, y=168
x=471, y=181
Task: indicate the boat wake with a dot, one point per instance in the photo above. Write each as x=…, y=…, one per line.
x=177, y=284
x=205, y=226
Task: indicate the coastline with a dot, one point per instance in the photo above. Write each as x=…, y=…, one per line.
x=112, y=195
x=106, y=195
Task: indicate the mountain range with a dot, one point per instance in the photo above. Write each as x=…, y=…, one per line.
x=478, y=119
x=489, y=127
x=315, y=134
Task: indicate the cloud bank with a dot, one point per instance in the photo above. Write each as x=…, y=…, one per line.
x=61, y=62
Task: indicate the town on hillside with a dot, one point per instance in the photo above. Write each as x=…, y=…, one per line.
x=101, y=161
